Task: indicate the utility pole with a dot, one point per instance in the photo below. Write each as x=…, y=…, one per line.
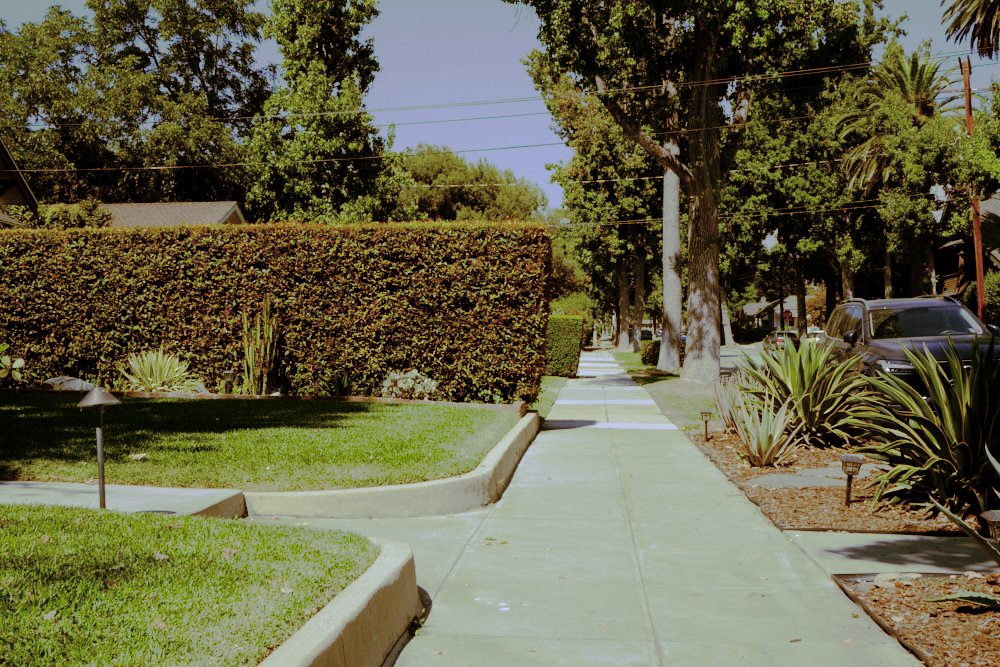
x=977, y=233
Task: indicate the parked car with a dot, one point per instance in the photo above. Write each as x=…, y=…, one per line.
x=881, y=329
x=815, y=335
x=776, y=340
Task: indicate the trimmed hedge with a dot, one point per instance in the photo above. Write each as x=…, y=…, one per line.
x=563, y=345
x=463, y=303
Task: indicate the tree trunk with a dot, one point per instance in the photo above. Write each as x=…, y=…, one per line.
x=624, y=309
x=638, y=298
x=887, y=275
x=670, y=356
x=702, y=352
x=847, y=281
x=727, y=327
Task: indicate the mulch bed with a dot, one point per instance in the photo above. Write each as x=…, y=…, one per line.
x=939, y=633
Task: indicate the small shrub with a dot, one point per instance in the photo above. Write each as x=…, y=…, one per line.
x=563, y=345
x=939, y=446
x=158, y=371
x=825, y=399
x=767, y=435
x=649, y=352
x=411, y=384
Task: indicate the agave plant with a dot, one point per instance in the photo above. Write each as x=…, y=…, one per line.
x=938, y=446
x=767, y=434
x=825, y=398
x=156, y=370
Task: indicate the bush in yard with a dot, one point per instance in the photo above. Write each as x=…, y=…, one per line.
x=825, y=399
x=938, y=447
x=158, y=371
x=464, y=302
x=562, y=345
x=410, y=384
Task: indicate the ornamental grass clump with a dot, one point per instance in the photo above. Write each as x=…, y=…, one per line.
x=411, y=384
x=158, y=371
x=938, y=445
x=825, y=399
x=767, y=432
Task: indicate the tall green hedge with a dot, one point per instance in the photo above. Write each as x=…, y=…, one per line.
x=463, y=303
x=563, y=346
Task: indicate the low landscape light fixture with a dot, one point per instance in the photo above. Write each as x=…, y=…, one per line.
x=705, y=416
x=99, y=398
x=228, y=376
x=851, y=464
x=991, y=519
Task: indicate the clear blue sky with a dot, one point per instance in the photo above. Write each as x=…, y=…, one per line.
x=463, y=58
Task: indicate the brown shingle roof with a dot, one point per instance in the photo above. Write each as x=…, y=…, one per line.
x=174, y=214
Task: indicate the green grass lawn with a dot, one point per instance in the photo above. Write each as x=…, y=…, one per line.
x=82, y=587
x=266, y=445
x=681, y=402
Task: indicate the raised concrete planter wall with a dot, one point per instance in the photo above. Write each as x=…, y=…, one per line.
x=363, y=624
x=477, y=488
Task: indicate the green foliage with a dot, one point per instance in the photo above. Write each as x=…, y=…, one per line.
x=446, y=187
x=825, y=400
x=87, y=213
x=10, y=366
x=464, y=302
x=158, y=371
x=939, y=446
x=578, y=304
x=562, y=348
x=260, y=350
x=979, y=20
x=992, y=314
x=410, y=384
x=649, y=352
x=767, y=434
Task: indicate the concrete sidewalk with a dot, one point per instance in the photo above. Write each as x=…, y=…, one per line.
x=619, y=543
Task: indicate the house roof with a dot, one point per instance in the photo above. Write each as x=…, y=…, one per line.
x=174, y=214
x=11, y=176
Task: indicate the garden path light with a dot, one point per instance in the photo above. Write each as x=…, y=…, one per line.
x=99, y=398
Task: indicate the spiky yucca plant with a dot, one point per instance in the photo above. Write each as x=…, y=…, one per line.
x=938, y=446
x=158, y=371
x=824, y=398
x=767, y=434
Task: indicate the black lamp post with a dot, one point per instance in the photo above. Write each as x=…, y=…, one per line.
x=99, y=398
x=227, y=377
x=851, y=464
x=705, y=416
x=991, y=519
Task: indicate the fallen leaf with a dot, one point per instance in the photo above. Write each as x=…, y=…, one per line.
x=228, y=553
x=159, y=625
x=794, y=641
x=44, y=539
x=973, y=575
x=138, y=457
x=285, y=589
x=158, y=556
x=50, y=615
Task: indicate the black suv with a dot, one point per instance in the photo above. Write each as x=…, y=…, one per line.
x=880, y=329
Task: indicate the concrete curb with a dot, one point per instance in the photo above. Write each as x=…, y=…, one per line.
x=470, y=491
x=363, y=624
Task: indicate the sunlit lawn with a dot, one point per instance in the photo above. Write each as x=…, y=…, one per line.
x=82, y=587
x=245, y=444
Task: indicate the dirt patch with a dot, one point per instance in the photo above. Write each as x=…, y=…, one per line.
x=939, y=633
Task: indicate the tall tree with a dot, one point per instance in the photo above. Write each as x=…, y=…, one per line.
x=977, y=20
x=610, y=187
x=888, y=115
x=678, y=77
x=319, y=156
x=445, y=186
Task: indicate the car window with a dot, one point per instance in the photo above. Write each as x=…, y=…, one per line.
x=833, y=327
x=926, y=321
x=852, y=319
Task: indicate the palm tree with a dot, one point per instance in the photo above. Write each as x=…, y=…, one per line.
x=977, y=19
x=902, y=92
